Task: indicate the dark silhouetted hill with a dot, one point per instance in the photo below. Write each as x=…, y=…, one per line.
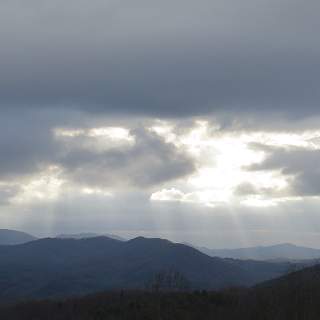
x=65, y=267
x=295, y=296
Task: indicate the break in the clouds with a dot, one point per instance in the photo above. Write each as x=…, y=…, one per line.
x=161, y=178
x=174, y=118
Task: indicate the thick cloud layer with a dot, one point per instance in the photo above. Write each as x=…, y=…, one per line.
x=26, y=141
x=191, y=85
x=168, y=58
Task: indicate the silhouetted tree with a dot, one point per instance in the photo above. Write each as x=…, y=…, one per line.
x=169, y=280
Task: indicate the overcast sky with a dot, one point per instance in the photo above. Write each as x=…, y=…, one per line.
x=197, y=121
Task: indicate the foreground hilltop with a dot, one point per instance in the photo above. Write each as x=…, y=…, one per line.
x=292, y=297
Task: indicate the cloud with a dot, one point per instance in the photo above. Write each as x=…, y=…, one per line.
x=7, y=192
x=84, y=151
x=297, y=164
x=26, y=142
x=166, y=59
x=83, y=82
x=168, y=195
x=150, y=161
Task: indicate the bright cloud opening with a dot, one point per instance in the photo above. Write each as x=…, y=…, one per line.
x=45, y=186
x=222, y=159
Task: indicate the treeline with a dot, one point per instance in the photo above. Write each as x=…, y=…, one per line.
x=293, y=297
x=249, y=304
x=147, y=305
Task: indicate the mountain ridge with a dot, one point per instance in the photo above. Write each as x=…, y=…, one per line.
x=284, y=251
x=14, y=237
x=54, y=267
x=86, y=235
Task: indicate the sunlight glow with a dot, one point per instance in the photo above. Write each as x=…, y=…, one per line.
x=45, y=186
x=261, y=201
x=222, y=160
x=172, y=194
x=209, y=198
x=307, y=139
x=113, y=133
x=96, y=191
x=109, y=133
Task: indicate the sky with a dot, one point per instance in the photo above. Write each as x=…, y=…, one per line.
x=196, y=121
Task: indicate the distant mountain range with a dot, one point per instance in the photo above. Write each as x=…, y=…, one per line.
x=285, y=251
x=55, y=267
x=88, y=235
x=12, y=237
x=280, y=252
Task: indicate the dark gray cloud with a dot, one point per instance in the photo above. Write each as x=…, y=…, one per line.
x=26, y=142
x=28, y=145
x=148, y=162
x=299, y=165
x=170, y=58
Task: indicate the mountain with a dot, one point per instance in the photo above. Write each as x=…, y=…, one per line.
x=12, y=237
x=293, y=296
x=285, y=251
x=300, y=281
x=64, y=267
x=87, y=235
